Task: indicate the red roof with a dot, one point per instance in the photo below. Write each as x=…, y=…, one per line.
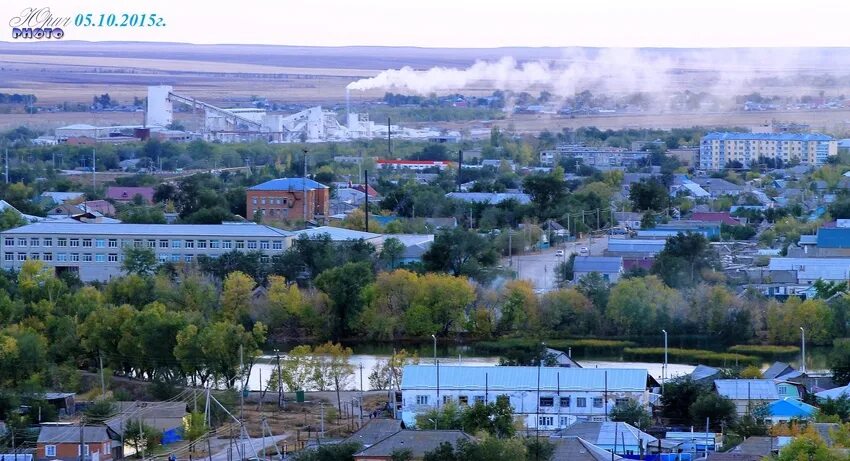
x=716, y=216
x=413, y=162
x=361, y=187
x=126, y=194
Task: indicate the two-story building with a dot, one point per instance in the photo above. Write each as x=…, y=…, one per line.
x=96, y=251
x=548, y=398
x=288, y=199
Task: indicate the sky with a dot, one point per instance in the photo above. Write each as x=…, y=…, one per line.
x=468, y=23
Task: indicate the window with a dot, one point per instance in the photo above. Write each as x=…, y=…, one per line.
x=422, y=400
x=277, y=245
x=202, y=244
x=254, y=200
x=75, y=243
x=100, y=257
x=227, y=244
x=447, y=399
x=597, y=402
x=22, y=256
x=240, y=244
x=545, y=420
x=113, y=258
x=47, y=256
x=163, y=243
x=187, y=258
x=264, y=244
x=87, y=257
x=264, y=258
x=47, y=241
x=61, y=257
x=22, y=242
x=478, y=399
x=175, y=258
x=176, y=243
x=50, y=451
x=105, y=447
x=547, y=401
x=190, y=244
x=215, y=244
x=565, y=421
x=75, y=257
x=621, y=402
x=9, y=241
x=34, y=242
x=86, y=243
x=151, y=243
x=85, y=447
x=565, y=402
x=252, y=244
x=9, y=256
x=463, y=400
x=162, y=257
x=581, y=402
x=100, y=243
x=113, y=243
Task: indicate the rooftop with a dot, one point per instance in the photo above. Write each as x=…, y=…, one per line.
x=418, y=442
x=601, y=264
x=195, y=230
x=336, y=234
x=608, y=433
x=454, y=377
x=746, y=389
x=732, y=136
x=578, y=449
x=289, y=184
x=62, y=433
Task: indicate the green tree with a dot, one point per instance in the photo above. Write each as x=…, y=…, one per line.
x=139, y=261
x=684, y=258
x=679, y=394
x=807, y=447
x=10, y=219
x=839, y=361
x=392, y=251
x=344, y=286
x=459, y=252
x=718, y=409
x=401, y=454
x=631, y=412
x=643, y=303
x=236, y=296
x=141, y=436
x=495, y=418
x=649, y=195
x=334, y=364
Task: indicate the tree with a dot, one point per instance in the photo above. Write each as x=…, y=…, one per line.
x=839, y=361
x=387, y=300
x=334, y=363
x=640, y=303
x=10, y=219
x=631, y=412
x=387, y=373
x=784, y=321
x=298, y=370
x=344, y=286
x=459, y=252
x=391, y=251
x=334, y=452
x=285, y=301
x=402, y=454
x=568, y=311
x=546, y=190
x=679, y=394
x=495, y=418
x=683, y=259
x=649, y=195
x=139, y=261
x=807, y=447
x=141, y=436
x=718, y=409
x=839, y=407
x=236, y=296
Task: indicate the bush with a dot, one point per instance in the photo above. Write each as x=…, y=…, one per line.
x=689, y=356
x=765, y=350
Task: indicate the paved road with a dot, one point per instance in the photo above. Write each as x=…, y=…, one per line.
x=539, y=267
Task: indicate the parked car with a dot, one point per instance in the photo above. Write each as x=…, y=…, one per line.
x=559, y=254
x=584, y=252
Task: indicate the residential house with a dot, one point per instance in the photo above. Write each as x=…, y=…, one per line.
x=635, y=248
x=778, y=370
x=166, y=417
x=615, y=437
x=416, y=165
x=123, y=194
x=64, y=402
x=565, y=394
x=578, y=449
x=834, y=393
x=690, y=441
x=609, y=267
x=284, y=199
x=717, y=187
x=374, y=431
x=62, y=442
x=705, y=374
x=809, y=270
x=563, y=359
x=719, y=148
x=722, y=217
x=746, y=394
x=58, y=198
x=415, y=245
x=628, y=219
x=760, y=446
x=782, y=411
x=417, y=442
x=99, y=206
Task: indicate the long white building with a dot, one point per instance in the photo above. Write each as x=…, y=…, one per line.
x=717, y=149
x=560, y=397
x=95, y=251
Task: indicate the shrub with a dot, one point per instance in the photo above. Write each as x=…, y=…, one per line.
x=689, y=356
x=764, y=350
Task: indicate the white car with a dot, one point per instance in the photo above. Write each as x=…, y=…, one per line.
x=559, y=254
x=584, y=251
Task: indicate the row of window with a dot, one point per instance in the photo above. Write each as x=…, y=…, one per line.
x=563, y=402
x=62, y=257
x=150, y=243
x=270, y=200
x=50, y=450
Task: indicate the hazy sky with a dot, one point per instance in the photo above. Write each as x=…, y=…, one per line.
x=470, y=23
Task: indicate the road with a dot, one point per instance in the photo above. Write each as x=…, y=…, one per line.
x=539, y=267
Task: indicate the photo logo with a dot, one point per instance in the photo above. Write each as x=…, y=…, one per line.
x=38, y=23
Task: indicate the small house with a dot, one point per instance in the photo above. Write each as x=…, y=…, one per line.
x=782, y=411
x=609, y=267
x=62, y=442
x=615, y=437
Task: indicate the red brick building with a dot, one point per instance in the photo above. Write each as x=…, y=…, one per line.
x=283, y=200
x=62, y=442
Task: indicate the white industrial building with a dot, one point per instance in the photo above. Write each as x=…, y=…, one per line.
x=241, y=124
x=95, y=251
x=550, y=398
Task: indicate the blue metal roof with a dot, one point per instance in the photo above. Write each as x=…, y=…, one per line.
x=601, y=264
x=496, y=378
x=744, y=389
x=211, y=230
x=833, y=237
x=791, y=408
x=731, y=136
x=336, y=234
x=288, y=184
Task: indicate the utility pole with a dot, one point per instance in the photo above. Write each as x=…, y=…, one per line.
x=6, y=164
x=279, y=381
x=389, y=139
x=242, y=391
x=304, y=189
x=93, y=168
x=102, y=381
x=141, y=439
x=82, y=439
x=366, y=196
x=322, y=422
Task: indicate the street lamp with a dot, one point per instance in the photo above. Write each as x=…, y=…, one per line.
x=435, y=349
x=803, y=340
x=664, y=367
